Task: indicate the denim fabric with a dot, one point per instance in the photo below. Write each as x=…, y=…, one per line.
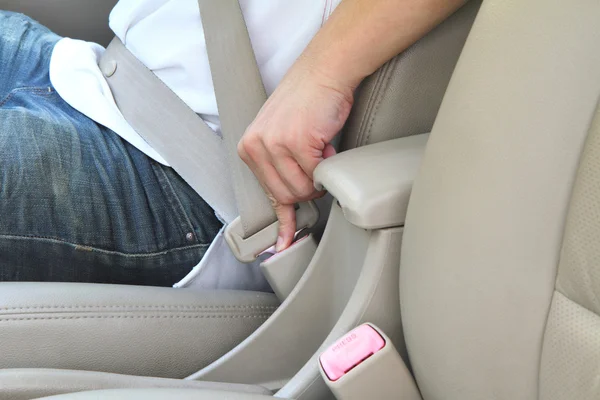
x=78, y=203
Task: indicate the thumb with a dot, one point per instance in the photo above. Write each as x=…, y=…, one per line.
x=328, y=151
x=286, y=214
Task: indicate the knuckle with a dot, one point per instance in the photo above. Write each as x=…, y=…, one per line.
x=280, y=199
x=287, y=199
x=316, y=140
x=274, y=202
x=272, y=144
x=303, y=190
x=241, y=149
x=249, y=146
x=307, y=188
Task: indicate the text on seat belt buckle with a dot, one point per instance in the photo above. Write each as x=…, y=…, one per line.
x=350, y=351
x=248, y=249
x=364, y=364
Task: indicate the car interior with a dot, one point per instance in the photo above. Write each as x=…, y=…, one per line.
x=459, y=258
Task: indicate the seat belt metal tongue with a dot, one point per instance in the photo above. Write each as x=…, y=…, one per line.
x=240, y=95
x=248, y=249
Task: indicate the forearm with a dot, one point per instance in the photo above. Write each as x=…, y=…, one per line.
x=361, y=35
x=292, y=133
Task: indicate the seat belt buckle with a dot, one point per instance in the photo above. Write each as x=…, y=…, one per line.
x=248, y=249
x=364, y=364
x=284, y=270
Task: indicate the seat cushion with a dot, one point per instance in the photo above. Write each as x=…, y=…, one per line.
x=25, y=384
x=146, y=331
x=160, y=394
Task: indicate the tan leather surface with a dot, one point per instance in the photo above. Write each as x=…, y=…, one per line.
x=160, y=394
x=373, y=183
x=87, y=20
x=281, y=346
x=25, y=384
x=579, y=270
x=133, y=330
x=403, y=97
x=374, y=299
x=486, y=218
x=570, y=364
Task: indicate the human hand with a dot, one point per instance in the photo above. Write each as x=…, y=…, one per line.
x=290, y=136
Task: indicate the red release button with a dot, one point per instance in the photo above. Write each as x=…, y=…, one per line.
x=351, y=350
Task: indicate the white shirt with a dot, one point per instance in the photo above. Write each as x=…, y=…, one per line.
x=167, y=36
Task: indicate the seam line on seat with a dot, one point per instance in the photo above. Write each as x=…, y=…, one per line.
x=160, y=307
x=138, y=317
x=380, y=95
x=556, y=290
x=366, y=120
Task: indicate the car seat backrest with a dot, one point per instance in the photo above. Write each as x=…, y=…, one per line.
x=500, y=272
x=402, y=98
x=78, y=19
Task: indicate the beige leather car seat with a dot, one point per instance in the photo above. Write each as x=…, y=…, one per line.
x=500, y=273
x=171, y=333
x=499, y=276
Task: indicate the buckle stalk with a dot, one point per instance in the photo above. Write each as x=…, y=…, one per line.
x=248, y=249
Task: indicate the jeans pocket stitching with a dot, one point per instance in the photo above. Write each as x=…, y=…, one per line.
x=38, y=90
x=88, y=248
x=183, y=219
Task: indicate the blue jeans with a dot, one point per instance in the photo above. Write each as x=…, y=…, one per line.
x=78, y=203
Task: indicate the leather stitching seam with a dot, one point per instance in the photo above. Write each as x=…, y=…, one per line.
x=137, y=317
x=387, y=76
x=154, y=307
x=367, y=115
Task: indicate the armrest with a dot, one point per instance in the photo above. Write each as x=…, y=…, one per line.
x=373, y=183
x=146, y=331
x=159, y=394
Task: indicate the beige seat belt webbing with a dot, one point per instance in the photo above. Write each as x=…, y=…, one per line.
x=172, y=128
x=240, y=95
x=207, y=162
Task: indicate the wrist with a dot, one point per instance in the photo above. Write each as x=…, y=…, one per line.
x=326, y=75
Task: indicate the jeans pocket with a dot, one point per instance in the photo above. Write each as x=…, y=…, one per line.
x=193, y=215
x=19, y=95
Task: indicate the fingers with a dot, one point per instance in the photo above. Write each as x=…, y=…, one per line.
x=307, y=160
x=286, y=215
x=296, y=180
x=285, y=176
x=329, y=151
x=279, y=173
x=310, y=159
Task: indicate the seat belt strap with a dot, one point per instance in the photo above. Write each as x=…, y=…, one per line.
x=172, y=128
x=240, y=95
x=208, y=163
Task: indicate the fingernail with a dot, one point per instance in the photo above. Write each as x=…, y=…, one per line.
x=279, y=244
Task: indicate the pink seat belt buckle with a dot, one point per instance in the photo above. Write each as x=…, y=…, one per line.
x=351, y=350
